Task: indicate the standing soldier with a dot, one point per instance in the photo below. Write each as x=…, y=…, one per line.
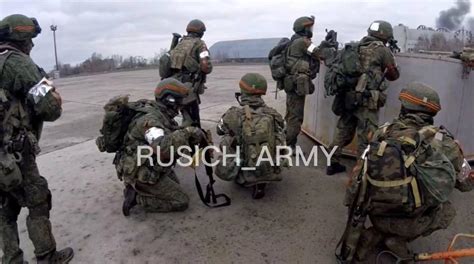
x=253, y=128
x=302, y=66
x=190, y=64
x=152, y=185
x=27, y=99
x=377, y=64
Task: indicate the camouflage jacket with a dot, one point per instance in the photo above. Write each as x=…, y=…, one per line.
x=165, y=134
x=18, y=74
x=375, y=58
x=230, y=128
x=303, y=56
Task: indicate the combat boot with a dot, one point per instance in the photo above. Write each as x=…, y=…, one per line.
x=399, y=247
x=259, y=191
x=129, y=199
x=57, y=257
x=334, y=168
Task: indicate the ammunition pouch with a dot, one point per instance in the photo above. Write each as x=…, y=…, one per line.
x=352, y=100
x=304, y=85
x=10, y=174
x=289, y=83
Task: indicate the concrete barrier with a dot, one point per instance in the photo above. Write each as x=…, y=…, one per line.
x=442, y=73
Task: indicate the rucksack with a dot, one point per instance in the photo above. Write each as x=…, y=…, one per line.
x=165, y=66
x=277, y=59
x=343, y=73
x=258, y=132
x=119, y=113
x=405, y=173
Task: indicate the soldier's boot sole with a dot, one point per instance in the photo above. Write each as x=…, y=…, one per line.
x=63, y=256
x=335, y=168
x=129, y=201
x=259, y=191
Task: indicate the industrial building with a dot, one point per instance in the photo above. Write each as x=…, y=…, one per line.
x=245, y=50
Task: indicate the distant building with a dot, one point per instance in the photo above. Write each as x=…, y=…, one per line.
x=245, y=50
x=408, y=38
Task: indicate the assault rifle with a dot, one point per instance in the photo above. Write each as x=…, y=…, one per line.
x=347, y=246
x=392, y=44
x=331, y=38
x=210, y=197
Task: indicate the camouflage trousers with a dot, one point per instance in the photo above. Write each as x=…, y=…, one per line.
x=360, y=123
x=294, y=116
x=191, y=115
x=164, y=196
x=33, y=194
x=396, y=233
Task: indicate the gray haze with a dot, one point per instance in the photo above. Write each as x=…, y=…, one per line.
x=453, y=17
x=143, y=27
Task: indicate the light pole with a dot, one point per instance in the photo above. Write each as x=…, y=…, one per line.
x=54, y=28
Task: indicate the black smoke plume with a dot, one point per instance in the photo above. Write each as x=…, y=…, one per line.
x=453, y=17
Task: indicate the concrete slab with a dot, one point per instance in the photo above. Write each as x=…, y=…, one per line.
x=299, y=221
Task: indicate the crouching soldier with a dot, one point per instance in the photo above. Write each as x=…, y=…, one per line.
x=149, y=179
x=251, y=131
x=410, y=169
x=27, y=99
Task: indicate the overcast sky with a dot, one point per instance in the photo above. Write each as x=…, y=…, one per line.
x=143, y=27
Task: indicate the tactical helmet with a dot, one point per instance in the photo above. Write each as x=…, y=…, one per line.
x=253, y=83
x=196, y=26
x=19, y=28
x=303, y=23
x=381, y=30
x=171, y=91
x=420, y=97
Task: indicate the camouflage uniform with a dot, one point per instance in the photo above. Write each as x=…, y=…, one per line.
x=155, y=187
x=190, y=64
x=231, y=128
x=302, y=66
x=396, y=232
x=378, y=64
x=20, y=80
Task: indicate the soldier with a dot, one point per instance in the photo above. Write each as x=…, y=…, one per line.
x=190, y=63
x=377, y=64
x=27, y=99
x=251, y=127
x=437, y=169
x=153, y=186
x=302, y=64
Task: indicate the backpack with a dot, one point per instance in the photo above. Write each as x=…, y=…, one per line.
x=277, y=59
x=258, y=132
x=119, y=113
x=405, y=173
x=165, y=66
x=344, y=72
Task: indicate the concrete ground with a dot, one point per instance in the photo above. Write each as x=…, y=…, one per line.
x=299, y=221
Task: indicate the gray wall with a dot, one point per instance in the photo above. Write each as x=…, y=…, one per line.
x=443, y=74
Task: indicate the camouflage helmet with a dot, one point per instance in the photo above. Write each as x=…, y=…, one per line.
x=381, y=30
x=19, y=28
x=171, y=90
x=196, y=26
x=420, y=97
x=253, y=83
x=302, y=23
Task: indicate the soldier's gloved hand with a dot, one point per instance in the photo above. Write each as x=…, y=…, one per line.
x=196, y=135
